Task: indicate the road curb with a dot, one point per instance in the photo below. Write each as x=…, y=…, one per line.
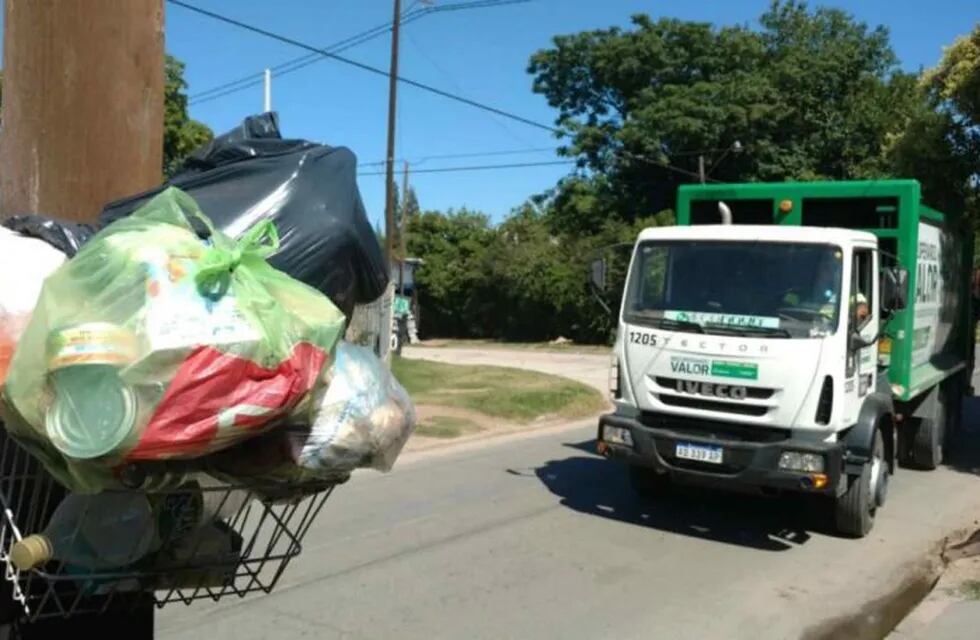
x=876, y=619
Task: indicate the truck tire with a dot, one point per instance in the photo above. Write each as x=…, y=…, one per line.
x=929, y=438
x=647, y=483
x=854, y=511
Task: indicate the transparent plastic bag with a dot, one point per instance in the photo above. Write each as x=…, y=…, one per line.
x=24, y=264
x=362, y=419
x=154, y=344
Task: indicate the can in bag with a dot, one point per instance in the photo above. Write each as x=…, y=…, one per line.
x=93, y=410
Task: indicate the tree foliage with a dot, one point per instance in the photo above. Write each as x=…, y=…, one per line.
x=181, y=134
x=812, y=94
x=940, y=145
x=453, y=281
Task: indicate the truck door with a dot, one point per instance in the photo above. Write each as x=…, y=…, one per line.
x=862, y=318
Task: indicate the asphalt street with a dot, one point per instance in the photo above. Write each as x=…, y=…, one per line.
x=536, y=536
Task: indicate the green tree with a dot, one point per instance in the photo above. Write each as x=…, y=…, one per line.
x=940, y=145
x=181, y=134
x=535, y=279
x=811, y=94
x=454, y=282
x=411, y=204
x=956, y=81
x=408, y=209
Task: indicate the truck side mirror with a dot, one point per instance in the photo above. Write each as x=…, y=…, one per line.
x=599, y=274
x=894, y=289
x=856, y=342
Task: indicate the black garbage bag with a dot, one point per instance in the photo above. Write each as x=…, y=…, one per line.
x=309, y=190
x=64, y=236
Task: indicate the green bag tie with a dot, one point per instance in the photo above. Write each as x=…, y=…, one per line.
x=223, y=257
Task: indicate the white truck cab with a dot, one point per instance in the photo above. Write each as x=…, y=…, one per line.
x=818, y=337
x=748, y=324
x=743, y=354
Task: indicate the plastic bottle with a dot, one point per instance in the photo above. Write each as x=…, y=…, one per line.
x=106, y=530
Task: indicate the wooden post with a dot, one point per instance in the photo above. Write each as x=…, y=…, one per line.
x=390, y=157
x=82, y=104
x=82, y=125
x=403, y=232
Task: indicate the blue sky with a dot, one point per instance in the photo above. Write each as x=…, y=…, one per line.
x=479, y=53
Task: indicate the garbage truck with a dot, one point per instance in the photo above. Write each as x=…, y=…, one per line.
x=793, y=338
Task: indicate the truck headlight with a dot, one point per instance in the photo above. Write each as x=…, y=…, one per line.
x=801, y=461
x=617, y=435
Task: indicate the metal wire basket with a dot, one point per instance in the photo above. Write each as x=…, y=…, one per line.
x=243, y=547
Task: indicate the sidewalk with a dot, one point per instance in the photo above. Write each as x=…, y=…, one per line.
x=952, y=609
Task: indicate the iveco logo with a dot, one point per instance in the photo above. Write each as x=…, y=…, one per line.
x=710, y=389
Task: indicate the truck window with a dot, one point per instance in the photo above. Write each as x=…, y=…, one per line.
x=851, y=213
x=776, y=288
x=654, y=266
x=862, y=294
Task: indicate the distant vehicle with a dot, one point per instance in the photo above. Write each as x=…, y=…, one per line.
x=817, y=337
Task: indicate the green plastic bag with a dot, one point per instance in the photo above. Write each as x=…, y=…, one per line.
x=152, y=344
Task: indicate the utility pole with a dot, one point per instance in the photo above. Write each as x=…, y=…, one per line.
x=267, y=104
x=403, y=231
x=701, y=173
x=390, y=158
x=82, y=125
x=82, y=105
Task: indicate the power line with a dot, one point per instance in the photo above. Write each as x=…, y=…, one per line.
x=481, y=167
x=459, y=89
x=476, y=154
x=548, y=163
x=357, y=39
x=426, y=87
x=664, y=165
x=253, y=79
x=365, y=67
x=409, y=15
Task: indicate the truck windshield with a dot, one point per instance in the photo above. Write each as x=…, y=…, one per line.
x=771, y=289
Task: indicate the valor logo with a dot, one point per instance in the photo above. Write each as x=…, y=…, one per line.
x=690, y=366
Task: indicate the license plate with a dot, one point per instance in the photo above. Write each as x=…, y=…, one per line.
x=698, y=452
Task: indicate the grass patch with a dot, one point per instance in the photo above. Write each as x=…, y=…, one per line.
x=971, y=589
x=446, y=427
x=513, y=394
x=516, y=346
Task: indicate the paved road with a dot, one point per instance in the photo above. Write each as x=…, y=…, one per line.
x=536, y=537
x=589, y=368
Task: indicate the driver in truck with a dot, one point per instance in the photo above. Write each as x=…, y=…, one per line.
x=861, y=311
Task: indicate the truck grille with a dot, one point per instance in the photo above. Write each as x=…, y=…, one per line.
x=756, y=402
x=695, y=402
x=755, y=393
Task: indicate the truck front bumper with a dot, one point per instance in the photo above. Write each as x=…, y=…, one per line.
x=746, y=465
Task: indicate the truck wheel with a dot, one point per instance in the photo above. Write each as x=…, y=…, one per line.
x=854, y=511
x=647, y=483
